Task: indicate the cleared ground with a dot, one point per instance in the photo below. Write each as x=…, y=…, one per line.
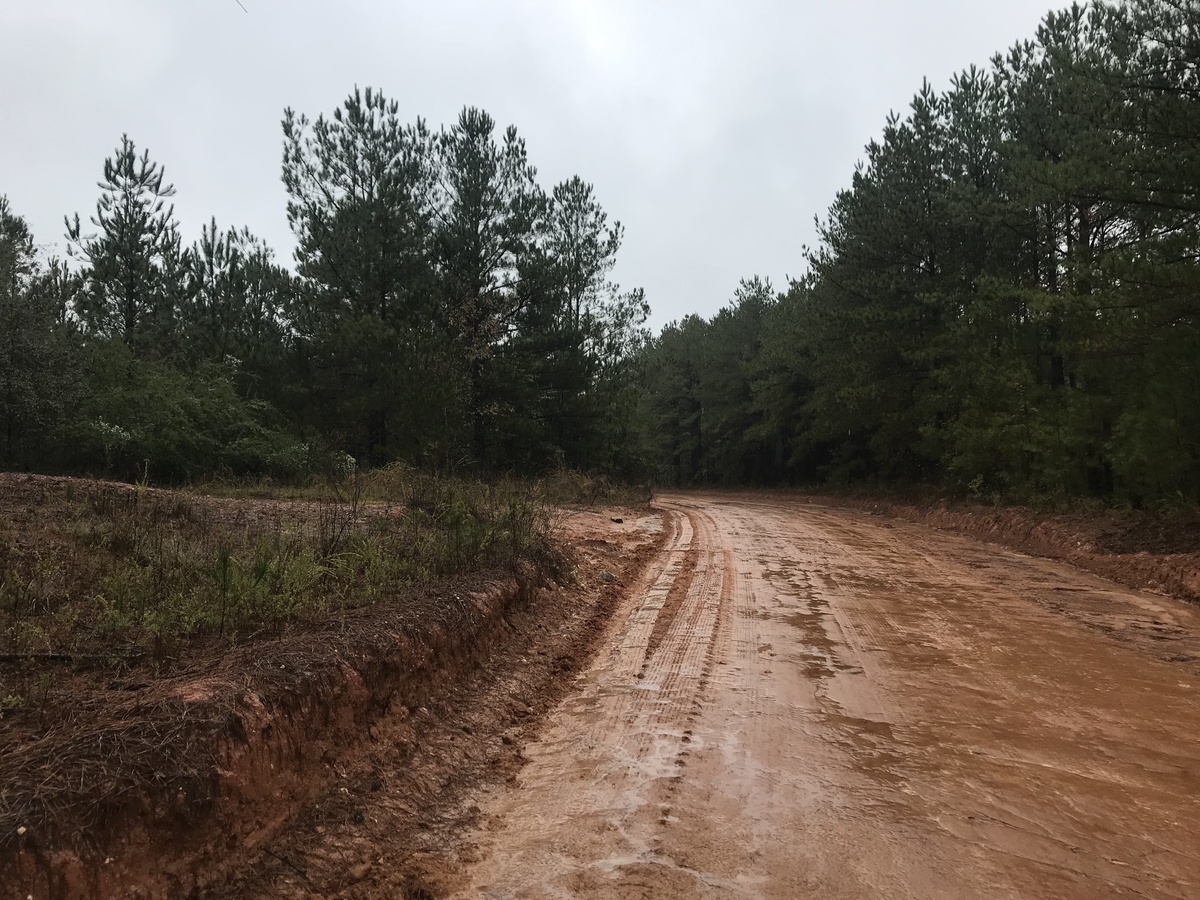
x=799, y=701
x=729, y=695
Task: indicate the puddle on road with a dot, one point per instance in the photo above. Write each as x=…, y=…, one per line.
x=852, y=719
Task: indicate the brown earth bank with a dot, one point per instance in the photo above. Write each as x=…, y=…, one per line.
x=1156, y=551
x=384, y=828
x=156, y=792
x=211, y=779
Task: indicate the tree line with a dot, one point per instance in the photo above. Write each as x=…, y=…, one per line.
x=443, y=309
x=1005, y=300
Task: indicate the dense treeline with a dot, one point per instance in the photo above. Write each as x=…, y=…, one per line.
x=444, y=310
x=1006, y=299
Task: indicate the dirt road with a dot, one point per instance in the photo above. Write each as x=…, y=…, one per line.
x=804, y=702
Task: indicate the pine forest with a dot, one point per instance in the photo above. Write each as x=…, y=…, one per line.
x=1003, y=302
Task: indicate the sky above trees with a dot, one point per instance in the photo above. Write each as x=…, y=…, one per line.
x=714, y=132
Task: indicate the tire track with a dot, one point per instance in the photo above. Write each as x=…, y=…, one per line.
x=673, y=602
x=629, y=729
x=667, y=688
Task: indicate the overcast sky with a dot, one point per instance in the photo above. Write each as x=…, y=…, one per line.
x=714, y=131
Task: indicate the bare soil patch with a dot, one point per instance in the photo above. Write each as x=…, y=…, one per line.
x=176, y=775
x=1153, y=552
x=851, y=706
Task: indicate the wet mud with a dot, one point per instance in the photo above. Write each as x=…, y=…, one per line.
x=799, y=701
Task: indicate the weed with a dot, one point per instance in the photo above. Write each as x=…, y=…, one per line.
x=112, y=574
x=10, y=702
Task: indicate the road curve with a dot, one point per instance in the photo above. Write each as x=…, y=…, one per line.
x=805, y=702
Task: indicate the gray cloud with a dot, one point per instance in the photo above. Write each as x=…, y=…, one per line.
x=713, y=131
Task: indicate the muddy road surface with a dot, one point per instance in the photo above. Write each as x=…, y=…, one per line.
x=799, y=701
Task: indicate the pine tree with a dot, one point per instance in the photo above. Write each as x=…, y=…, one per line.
x=38, y=355
x=369, y=353
x=133, y=266
x=487, y=208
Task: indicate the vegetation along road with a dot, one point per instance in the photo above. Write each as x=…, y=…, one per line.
x=799, y=701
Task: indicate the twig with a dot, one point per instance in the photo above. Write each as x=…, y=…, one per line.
x=287, y=862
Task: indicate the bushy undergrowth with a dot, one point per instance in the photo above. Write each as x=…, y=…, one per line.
x=567, y=487
x=104, y=574
x=561, y=487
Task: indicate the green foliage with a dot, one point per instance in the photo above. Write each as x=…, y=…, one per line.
x=38, y=347
x=368, y=355
x=147, y=413
x=450, y=311
x=700, y=399
x=445, y=311
x=134, y=263
x=235, y=304
x=1003, y=301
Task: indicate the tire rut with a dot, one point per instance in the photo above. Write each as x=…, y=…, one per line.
x=673, y=601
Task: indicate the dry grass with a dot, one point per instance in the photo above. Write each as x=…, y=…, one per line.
x=97, y=575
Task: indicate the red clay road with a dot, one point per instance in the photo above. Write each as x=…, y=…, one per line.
x=806, y=702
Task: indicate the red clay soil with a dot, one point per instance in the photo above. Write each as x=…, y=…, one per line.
x=173, y=776
x=854, y=707
x=211, y=781
x=409, y=793
x=1156, y=551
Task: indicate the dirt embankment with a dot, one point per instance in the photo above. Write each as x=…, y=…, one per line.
x=211, y=780
x=92, y=807
x=1144, y=550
